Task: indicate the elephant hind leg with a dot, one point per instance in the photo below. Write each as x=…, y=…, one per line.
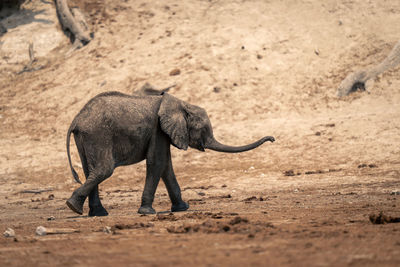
x=95, y=206
x=96, y=169
x=89, y=188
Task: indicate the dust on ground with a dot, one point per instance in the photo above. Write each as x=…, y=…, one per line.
x=258, y=68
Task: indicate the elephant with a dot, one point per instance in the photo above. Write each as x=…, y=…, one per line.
x=115, y=129
x=2, y=29
x=359, y=79
x=148, y=89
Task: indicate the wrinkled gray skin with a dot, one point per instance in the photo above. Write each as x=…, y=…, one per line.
x=2, y=29
x=114, y=129
x=359, y=79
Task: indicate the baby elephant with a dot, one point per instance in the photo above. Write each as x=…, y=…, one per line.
x=115, y=129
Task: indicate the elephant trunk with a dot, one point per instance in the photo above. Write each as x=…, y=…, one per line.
x=217, y=146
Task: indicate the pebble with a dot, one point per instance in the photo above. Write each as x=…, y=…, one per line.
x=41, y=231
x=9, y=232
x=107, y=229
x=174, y=72
x=217, y=89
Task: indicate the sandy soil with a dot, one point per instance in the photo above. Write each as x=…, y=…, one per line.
x=258, y=68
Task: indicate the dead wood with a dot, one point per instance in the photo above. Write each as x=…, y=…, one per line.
x=41, y=231
x=36, y=191
x=358, y=79
x=73, y=22
x=32, y=60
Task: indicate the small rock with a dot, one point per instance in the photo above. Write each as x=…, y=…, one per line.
x=51, y=197
x=9, y=232
x=41, y=231
x=201, y=193
x=259, y=56
x=174, y=72
x=251, y=168
x=107, y=229
x=395, y=193
x=216, y=89
x=316, y=51
x=296, y=190
x=51, y=218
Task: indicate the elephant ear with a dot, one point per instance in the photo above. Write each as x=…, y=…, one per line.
x=173, y=121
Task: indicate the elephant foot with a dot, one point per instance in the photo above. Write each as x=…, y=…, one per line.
x=97, y=211
x=76, y=204
x=181, y=206
x=146, y=210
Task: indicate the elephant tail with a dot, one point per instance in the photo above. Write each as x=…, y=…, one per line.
x=70, y=130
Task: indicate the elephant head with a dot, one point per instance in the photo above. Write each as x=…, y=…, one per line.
x=189, y=126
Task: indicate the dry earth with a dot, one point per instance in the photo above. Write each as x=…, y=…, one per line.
x=259, y=68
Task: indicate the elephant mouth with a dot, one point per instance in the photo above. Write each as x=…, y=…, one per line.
x=198, y=145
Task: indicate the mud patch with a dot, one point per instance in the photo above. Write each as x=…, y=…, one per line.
x=295, y=173
x=363, y=165
x=383, y=219
x=236, y=225
x=50, y=197
x=122, y=226
x=291, y=173
x=198, y=187
x=165, y=217
x=204, y=215
x=254, y=198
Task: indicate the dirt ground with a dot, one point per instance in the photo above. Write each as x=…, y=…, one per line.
x=258, y=68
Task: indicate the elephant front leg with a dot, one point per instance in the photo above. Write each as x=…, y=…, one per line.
x=152, y=179
x=174, y=191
